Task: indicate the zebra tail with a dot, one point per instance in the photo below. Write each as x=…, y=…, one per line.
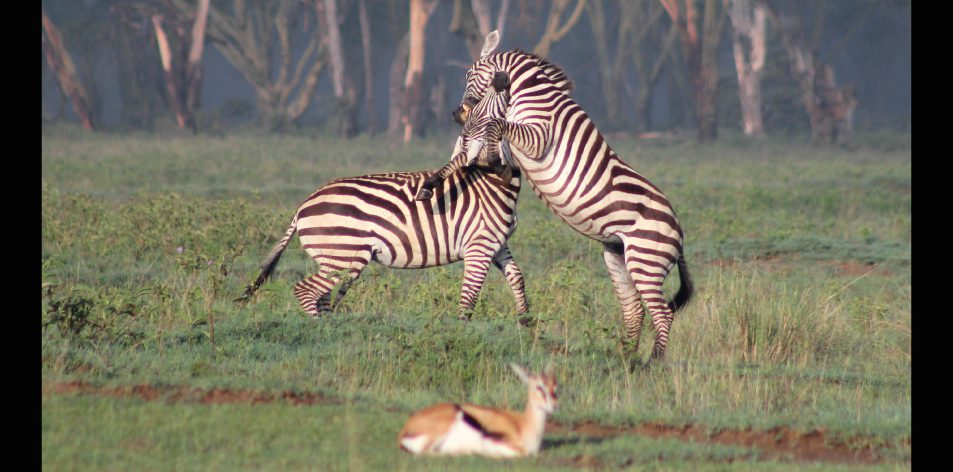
x=268, y=267
x=686, y=290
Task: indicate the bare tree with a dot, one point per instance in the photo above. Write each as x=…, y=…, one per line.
x=344, y=93
x=246, y=34
x=639, y=36
x=750, y=48
x=472, y=20
x=398, y=70
x=61, y=63
x=652, y=47
x=829, y=107
x=366, y=42
x=555, y=31
x=700, y=37
x=137, y=64
x=414, y=98
x=181, y=58
x=610, y=68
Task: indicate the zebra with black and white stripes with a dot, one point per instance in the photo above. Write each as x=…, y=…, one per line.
x=574, y=171
x=352, y=221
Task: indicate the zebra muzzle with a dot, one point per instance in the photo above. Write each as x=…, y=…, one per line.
x=425, y=192
x=460, y=115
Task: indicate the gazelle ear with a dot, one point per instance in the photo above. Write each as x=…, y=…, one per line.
x=490, y=43
x=523, y=375
x=549, y=370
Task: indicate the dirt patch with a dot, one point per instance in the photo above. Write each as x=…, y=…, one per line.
x=849, y=268
x=181, y=393
x=783, y=444
x=772, y=262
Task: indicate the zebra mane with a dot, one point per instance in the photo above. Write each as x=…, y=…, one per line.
x=555, y=73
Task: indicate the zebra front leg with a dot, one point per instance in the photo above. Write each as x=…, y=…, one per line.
x=457, y=162
x=628, y=296
x=530, y=139
x=514, y=277
x=476, y=263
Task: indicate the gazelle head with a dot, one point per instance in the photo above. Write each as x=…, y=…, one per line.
x=542, y=388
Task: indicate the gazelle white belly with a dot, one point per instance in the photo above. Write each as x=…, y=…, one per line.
x=462, y=439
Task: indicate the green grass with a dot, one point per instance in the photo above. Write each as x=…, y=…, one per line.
x=802, y=317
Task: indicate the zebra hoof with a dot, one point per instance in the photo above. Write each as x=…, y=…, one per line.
x=423, y=194
x=463, y=317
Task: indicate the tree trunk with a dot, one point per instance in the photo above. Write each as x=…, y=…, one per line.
x=464, y=23
x=343, y=90
x=748, y=29
x=368, y=65
x=181, y=61
x=554, y=32
x=398, y=69
x=474, y=23
x=597, y=21
x=415, y=98
x=193, y=69
x=648, y=78
x=61, y=63
x=136, y=71
x=172, y=87
x=700, y=51
x=246, y=36
x=829, y=107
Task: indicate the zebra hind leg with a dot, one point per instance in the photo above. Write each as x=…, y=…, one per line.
x=628, y=297
x=314, y=292
x=648, y=269
x=514, y=277
x=475, y=265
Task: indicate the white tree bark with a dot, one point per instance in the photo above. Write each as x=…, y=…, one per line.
x=748, y=21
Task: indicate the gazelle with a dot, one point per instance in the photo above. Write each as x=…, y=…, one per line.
x=455, y=429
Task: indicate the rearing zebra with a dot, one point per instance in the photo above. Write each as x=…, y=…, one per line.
x=475, y=121
x=572, y=168
x=353, y=220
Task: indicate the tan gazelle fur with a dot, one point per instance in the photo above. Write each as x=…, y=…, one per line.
x=454, y=429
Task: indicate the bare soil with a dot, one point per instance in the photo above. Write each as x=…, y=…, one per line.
x=782, y=444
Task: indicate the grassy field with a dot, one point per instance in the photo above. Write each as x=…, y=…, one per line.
x=795, y=353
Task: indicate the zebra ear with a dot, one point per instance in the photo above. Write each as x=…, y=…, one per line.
x=501, y=81
x=490, y=43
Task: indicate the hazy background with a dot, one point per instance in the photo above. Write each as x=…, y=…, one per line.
x=113, y=46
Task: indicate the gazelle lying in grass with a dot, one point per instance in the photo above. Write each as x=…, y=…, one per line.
x=453, y=429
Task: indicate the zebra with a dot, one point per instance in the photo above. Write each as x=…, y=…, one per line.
x=354, y=220
x=574, y=171
x=493, y=105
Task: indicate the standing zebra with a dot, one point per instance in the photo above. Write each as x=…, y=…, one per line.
x=353, y=220
x=572, y=168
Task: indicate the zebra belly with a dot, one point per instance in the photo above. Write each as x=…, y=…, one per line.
x=600, y=206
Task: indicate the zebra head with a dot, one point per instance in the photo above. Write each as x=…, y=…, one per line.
x=461, y=113
x=493, y=105
x=522, y=69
